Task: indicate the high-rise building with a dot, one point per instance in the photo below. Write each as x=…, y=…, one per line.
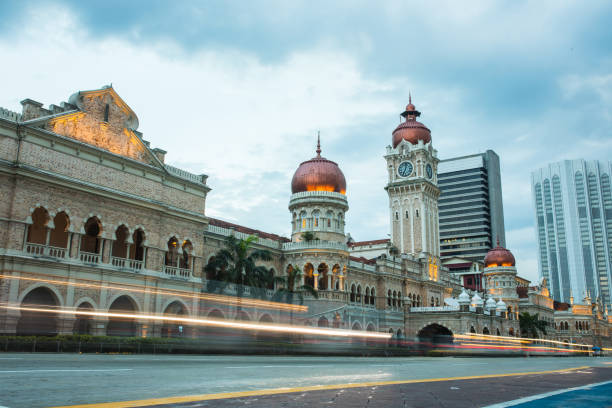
x=573, y=208
x=471, y=208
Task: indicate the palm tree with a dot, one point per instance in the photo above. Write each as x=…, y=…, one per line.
x=531, y=324
x=237, y=263
x=288, y=288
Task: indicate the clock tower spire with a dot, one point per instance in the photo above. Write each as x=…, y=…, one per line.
x=412, y=187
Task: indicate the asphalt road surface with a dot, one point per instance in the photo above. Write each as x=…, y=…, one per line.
x=43, y=380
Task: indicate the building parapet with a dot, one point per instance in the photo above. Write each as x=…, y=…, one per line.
x=362, y=265
x=434, y=309
x=10, y=115
x=293, y=246
x=226, y=232
x=195, y=178
x=324, y=196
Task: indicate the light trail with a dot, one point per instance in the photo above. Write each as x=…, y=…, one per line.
x=489, y=337
x=231, y=300
x=214, y=322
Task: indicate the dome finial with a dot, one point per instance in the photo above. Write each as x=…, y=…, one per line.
x=319, y=143
x=409, y=97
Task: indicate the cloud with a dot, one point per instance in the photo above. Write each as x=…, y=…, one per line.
x=238, y=91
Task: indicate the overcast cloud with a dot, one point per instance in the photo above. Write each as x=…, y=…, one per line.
x=238, y=90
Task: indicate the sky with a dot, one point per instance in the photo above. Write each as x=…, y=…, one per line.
x=238, y=90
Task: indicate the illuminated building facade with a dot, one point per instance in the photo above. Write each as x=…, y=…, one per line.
x=95, y=220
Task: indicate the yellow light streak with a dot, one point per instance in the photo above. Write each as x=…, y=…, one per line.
x=522, y=339
x=231, y=300
x=280, y=328
x=526, y=347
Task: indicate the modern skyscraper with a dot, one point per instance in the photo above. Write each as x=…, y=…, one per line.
x=471, y=208
x=573, y=208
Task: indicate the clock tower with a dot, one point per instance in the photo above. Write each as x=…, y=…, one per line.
x=412, y=165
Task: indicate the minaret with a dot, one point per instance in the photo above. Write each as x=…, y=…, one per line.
x=412, y=164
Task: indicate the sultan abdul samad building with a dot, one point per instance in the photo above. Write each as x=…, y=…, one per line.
x=91, y=218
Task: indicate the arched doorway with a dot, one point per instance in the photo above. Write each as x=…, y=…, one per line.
x=309, y=275
x=485, y=331
x=122, y=326
x=83, y=323
x=435, y=334
x=323, y=322
x=174, y=328
x=32, y=323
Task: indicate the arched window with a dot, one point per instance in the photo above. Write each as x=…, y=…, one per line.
x=372, y=296
x=309, y=274
x=389, y=297
x=432, y=302
x=137, y=251
x=399, y=298
x=358, y=299
x=316, y=214
x=91, y=242
x=59, y=234
x=367, y=296
x=303, y=219
x=185, y=259
x=120, y=245
x=394, y=299
x=37, y=231
x=353, y=293
x=418, y=300
x=330, y=216
x=172, y=254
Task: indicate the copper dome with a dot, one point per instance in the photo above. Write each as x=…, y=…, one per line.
x=318, y=174
x=499, y=256
x=411, y=130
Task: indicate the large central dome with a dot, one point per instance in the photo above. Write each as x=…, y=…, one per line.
x=318, y=174
x=411, y=130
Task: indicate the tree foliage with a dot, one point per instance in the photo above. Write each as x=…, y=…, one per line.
x=238, y=263
x=289, y=286
x=531, y=325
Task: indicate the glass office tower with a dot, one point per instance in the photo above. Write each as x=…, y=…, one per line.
x=470, y=206
x=573, y=209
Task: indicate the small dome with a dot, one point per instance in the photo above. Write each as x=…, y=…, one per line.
x=318, y=174
x=477, y=300
x=464, y=298
x=411, y=130
x=490, y=304
x=501, y=305
x=499, y=256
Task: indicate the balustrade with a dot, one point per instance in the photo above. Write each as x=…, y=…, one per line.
x=123, y=263
x=45, y=250
x=88, y=257
x=176, y=271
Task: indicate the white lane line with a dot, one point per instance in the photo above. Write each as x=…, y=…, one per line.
x=59, y=371
x=274, y=366
x=544, y=395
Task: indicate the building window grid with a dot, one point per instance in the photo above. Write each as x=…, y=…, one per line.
x=551, y=236
x=598, y=238
x=606, y=195
x=541, y=231
x=561, y=238
x=584, y=230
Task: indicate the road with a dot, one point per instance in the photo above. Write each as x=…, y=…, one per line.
x=42, y=380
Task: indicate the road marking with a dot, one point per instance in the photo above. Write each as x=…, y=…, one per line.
x=273, y=391
x=60, y=371
x=273, y=366
x=545, y=395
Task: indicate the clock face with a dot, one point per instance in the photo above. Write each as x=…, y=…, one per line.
x=429, y=171
x=405, y=169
